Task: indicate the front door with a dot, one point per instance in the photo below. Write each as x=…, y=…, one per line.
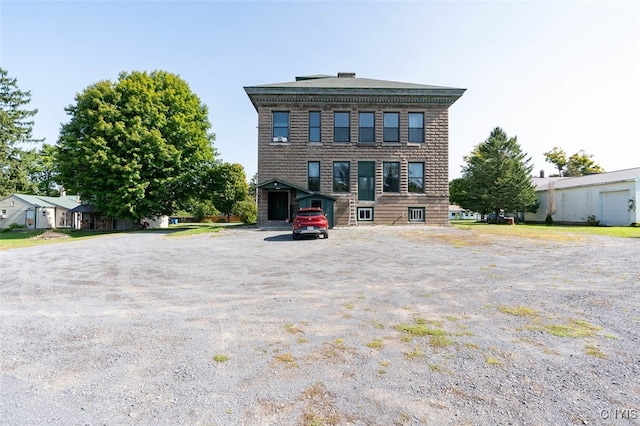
x=278, y=208
x=366, y=180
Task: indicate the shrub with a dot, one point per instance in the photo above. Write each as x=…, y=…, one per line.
x=13, y=226
x=246, y=211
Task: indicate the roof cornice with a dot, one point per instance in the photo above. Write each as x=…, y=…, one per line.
x=431, y=96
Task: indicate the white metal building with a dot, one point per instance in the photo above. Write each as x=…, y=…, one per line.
x=610, y=198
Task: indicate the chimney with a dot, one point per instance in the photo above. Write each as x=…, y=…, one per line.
x=346, y=75
x=541, y=173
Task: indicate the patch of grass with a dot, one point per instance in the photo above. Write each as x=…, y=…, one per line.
x=415, y=353
x=435, y=367
x=293, y=329
x=377, y=324
x=518, y=311
x=491, y=360
x=221, y=358
x=594, y=351
x=384, y=363
x=574, y=328
x=421, y=328
x=30, y=238
x=348, y=305
x=375, y=344
x=287, y=359
x=440, y=341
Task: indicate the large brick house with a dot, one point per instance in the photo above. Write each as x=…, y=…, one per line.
x=366, y=151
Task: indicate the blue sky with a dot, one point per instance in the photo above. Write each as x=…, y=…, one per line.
x=551, y=73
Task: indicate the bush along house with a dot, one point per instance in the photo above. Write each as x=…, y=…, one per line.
x=366, y=151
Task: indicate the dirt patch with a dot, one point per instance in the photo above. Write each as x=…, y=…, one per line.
x=50, y=235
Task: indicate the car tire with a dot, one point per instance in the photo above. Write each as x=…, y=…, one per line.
x=326, y=235
x=295, y=236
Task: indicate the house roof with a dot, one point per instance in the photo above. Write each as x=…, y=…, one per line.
x=281, y=184
x=590, y=180
x=67, y=201
x=346, y=84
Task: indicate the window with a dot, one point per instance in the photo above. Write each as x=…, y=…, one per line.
x=416, y=177
x=341, y=129
x=416, y=127
x=416, y=214
x=366, y=127
x=391, y=177
x=365, y=213
x=341, y=172
x=314, y=126
x=313, y=176
x=391, y=127
x=281, y=125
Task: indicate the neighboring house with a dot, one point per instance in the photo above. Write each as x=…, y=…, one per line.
x=458, y=213
x=609, y=198
x=90, y=218
x=38, y=212
x=366, y=151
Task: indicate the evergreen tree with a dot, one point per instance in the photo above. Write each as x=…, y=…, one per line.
x=497, y=176
x=16, y=127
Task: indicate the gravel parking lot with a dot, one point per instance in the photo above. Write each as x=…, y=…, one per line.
x=373, y=326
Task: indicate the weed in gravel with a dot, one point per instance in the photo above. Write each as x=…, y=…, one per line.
x=415, y=353
x=302, y=340
x=384, y=363
x=573, y=328
x=491, y=360
x=594, y=351
x=293, y=329
x=377, y=324
x=375, y=344
x=221, y=358
x=519, y=311
x=440, y=341
x=287, y=359
x=321, y=407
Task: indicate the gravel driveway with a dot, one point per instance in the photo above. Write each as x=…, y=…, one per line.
x=373, y=326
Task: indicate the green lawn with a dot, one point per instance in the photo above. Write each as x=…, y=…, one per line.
x=25, y=238
x=532, y=230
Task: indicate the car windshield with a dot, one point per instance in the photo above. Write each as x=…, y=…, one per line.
x=310, y=213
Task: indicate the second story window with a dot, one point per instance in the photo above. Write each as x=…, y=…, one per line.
x=391, y=176
x=341, y=176
x=313, y=176
x=391, y=121
x=416, y=127
x=341, y=128
x=314, y=126
x=280, y=126
x=366, y=127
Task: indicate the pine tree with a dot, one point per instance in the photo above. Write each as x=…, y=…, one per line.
x=497, y=176
x=16, y=128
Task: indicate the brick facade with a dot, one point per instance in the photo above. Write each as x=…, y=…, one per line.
x=288, y=160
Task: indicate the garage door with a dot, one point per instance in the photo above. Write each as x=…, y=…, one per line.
x=615, y=208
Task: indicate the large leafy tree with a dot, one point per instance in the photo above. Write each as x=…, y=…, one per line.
x=16, y=128
x=136, y=147
x=228, y=186
x=579, y=164
x=557, y=157
x=497, y=176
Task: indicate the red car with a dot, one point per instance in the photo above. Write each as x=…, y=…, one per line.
x=310, y=221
